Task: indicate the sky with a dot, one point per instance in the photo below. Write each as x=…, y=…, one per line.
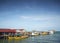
x=30, y=14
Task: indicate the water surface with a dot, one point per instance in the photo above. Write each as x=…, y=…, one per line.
x=55, y=38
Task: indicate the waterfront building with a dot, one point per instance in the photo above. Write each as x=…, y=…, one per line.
x=7, y=31
x=11, y=32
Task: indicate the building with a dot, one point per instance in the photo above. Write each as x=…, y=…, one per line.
x=6, y=31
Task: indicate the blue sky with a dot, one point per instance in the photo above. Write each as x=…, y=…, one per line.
x=30, y=14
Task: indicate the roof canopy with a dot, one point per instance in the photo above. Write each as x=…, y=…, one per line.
x=7, y=30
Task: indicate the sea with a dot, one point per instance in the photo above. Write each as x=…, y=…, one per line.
x=52, y=38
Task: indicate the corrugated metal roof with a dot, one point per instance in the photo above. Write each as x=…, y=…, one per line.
x=7, y=30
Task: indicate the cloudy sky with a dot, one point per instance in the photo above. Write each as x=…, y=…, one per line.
x=30, y=14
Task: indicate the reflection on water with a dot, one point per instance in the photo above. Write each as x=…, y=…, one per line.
x=55, y=38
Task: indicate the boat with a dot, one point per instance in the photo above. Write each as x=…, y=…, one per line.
x=10, y=37
x=16, y=37
x=51, y=32
x=44, y=33
x=24, y=36
x=34, y=34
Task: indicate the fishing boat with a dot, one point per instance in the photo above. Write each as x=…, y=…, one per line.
x=34, y=34
x=17, y=37
x=10, y=37
x=24, y=36
x=44, y=33
x=51, y=32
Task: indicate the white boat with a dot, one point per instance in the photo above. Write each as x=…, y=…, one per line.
x=34, y=33
x=51, y=32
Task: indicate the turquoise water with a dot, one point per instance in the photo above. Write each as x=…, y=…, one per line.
x=55, y=38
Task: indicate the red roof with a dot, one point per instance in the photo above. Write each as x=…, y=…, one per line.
x=7, y=30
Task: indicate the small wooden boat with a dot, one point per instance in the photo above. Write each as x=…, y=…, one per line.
x=24, y=36
x=16, y=37
x=10, y=37
x=44, y=33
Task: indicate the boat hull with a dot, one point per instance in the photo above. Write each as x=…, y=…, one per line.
x=21, y=37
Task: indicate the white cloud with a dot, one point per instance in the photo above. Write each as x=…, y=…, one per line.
x=25, y=17
x=35, y=18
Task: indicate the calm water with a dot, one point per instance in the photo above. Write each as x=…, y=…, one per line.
x=55, y=38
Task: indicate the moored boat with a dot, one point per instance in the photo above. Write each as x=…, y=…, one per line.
x=51, y=32
x=10, y=37
x=16, y=37
x=44, y=33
